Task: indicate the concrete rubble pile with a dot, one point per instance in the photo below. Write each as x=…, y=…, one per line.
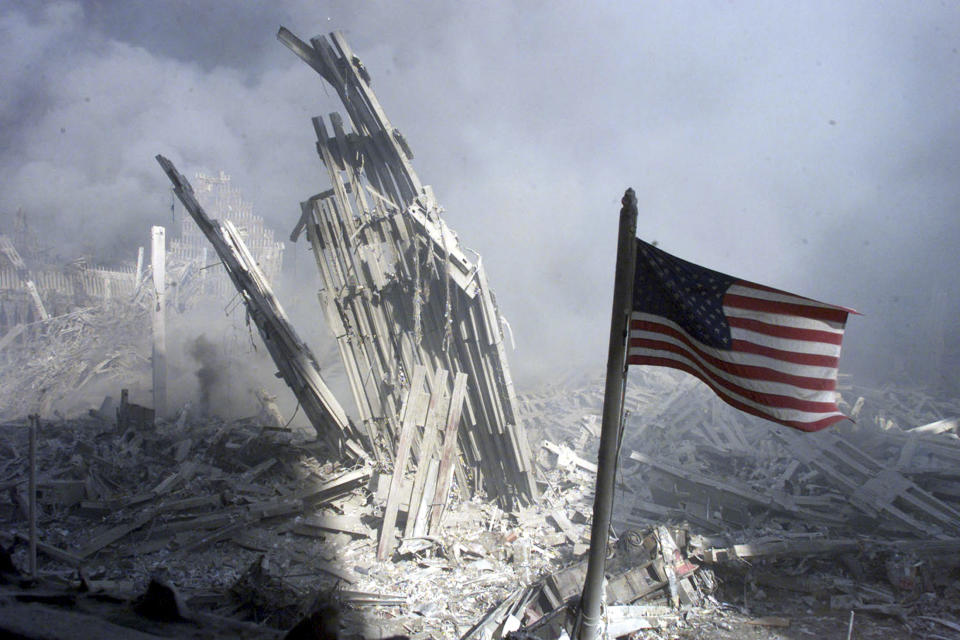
x=66, y=330
x=56, y=361
x=258, y=529
x=254, y=525
x=856, y=518
x=123, y=496
x=69, y=332
x=730, y=472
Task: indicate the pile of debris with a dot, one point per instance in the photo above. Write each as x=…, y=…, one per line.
x=258, y=529
x=255, y=526
x=70, y=333
x=763, y=507
x=120, y=497
x=734, y=472
x=55, y=362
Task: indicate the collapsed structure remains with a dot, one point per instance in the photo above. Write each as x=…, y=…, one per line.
x=400, y=291
x=426, y=512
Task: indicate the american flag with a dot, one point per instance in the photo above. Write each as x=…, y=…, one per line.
x=764, y=351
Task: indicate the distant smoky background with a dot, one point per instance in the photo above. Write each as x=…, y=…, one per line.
x=808, y=146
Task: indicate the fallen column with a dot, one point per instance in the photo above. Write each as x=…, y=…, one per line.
x=292, y=356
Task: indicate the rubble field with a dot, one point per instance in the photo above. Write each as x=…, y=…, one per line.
x=251, y=528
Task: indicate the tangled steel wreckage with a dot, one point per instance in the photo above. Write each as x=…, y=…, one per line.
x=441, y=505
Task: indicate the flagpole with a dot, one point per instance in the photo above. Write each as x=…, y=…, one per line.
x=589, y=618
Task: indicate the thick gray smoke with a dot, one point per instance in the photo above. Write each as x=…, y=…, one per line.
x=211, y=369
x=808, y=146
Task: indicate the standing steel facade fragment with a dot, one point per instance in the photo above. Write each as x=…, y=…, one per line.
x=222, y=200
x=398, y=289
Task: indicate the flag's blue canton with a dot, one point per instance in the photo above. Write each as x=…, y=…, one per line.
x=687, y=294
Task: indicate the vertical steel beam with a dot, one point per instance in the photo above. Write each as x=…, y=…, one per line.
x=158, y=260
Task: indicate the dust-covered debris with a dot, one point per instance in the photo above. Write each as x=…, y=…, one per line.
x=57, y=361
x=258, y=525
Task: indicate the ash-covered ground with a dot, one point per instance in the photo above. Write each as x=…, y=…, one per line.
x=255, y=525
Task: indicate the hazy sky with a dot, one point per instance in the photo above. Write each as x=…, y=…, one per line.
x=814, y=147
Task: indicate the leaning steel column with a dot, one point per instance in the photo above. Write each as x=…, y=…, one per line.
x=612, y=417
x=158, y=261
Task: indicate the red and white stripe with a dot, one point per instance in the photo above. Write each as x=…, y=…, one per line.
x=782, y=364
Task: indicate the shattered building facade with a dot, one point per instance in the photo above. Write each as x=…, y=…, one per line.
x=224, y=201
x=32, y=289
x=399, y=291
x=66, y=328
x=62, y=327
